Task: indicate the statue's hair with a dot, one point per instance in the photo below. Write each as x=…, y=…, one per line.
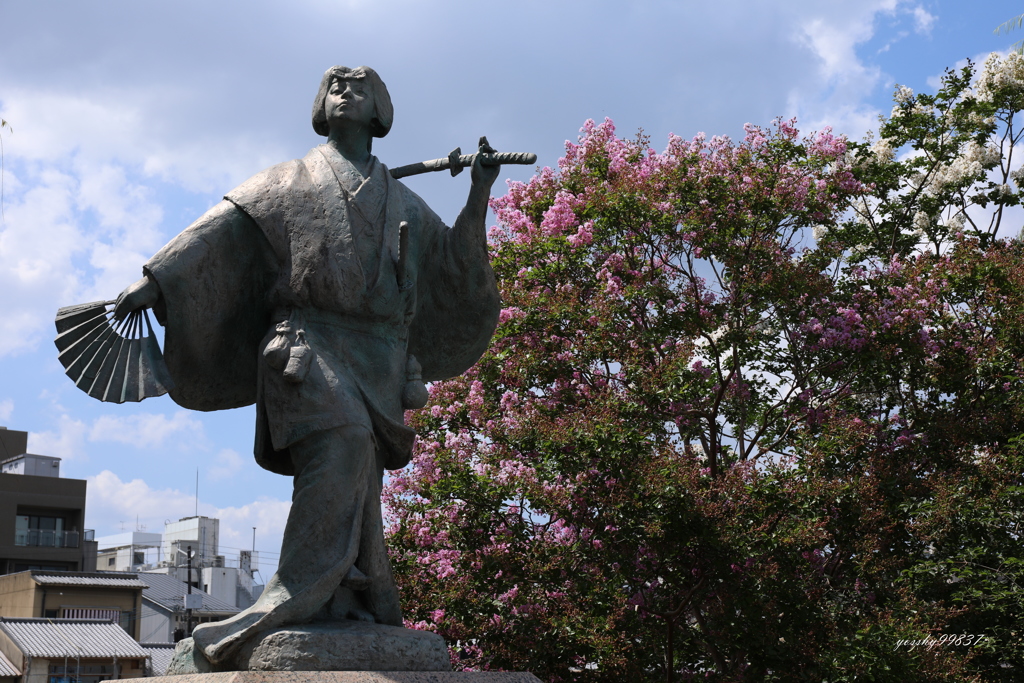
x=383, y=111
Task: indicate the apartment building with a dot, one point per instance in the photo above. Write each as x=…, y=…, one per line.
x=42, y=515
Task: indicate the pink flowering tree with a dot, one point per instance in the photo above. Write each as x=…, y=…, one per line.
x=735, y=397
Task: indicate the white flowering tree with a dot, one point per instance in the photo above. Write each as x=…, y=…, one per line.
x=957, y=174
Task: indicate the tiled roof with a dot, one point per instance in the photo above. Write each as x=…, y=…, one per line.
x=167, y=591
x=160, y=656
x=108, y=579
x=70, y=637
x=7, y=668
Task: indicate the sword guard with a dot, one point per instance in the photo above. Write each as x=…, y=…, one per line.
x=453, y=161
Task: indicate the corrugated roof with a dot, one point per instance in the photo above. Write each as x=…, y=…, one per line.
x=160, y=656
x=167, y=591
x=8, y=669
x=70, y=637
x=108, y=579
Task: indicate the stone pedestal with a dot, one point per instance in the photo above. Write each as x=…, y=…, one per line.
x=338, y=646
x=350, y=677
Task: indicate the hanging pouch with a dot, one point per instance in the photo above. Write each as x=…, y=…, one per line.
x=414, y=393
x=299, y=358
x=277, y=351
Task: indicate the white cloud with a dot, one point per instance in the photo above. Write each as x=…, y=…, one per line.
x=112, y=501
x=80, y=204
x=148, y=430
x=6, y=408
x=227, y=463
x=923, y=20
x=37, y=243
x=141, y=128
x=66, y=442
x=236, y=530
x=109, y=497
x=845, y=80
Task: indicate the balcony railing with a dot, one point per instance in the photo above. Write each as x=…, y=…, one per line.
x=46, y=539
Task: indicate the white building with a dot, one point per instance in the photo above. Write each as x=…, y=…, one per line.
x=231, y=584
x=168, y=555
x=31, y=464
x=131, y=551
x=201, y=533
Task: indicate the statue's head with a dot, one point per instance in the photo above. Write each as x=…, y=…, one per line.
x=383, y=112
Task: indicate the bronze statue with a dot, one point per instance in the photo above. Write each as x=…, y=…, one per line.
x=326, y=292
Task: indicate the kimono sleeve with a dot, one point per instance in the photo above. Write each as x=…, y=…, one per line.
x=457, y=299
x=213, y=280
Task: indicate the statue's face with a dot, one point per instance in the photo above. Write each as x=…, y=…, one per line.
x=348, y=101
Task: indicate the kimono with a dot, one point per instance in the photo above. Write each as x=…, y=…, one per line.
x=283, y=242
x=371, y=277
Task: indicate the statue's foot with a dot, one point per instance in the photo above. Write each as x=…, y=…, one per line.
x=187, y=659
x=360, y=614
x=218, y=640
x=356, y=580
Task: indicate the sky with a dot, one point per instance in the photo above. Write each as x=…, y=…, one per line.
x=128, y=120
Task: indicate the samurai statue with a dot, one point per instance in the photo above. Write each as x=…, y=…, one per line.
x=326, y=292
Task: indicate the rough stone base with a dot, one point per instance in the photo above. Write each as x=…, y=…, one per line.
x=338, y=646
x=350, y=677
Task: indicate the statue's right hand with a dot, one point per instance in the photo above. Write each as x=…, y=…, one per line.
x=142, y=294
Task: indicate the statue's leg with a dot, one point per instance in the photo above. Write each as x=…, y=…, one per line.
x=336, y=476
x=381, y=598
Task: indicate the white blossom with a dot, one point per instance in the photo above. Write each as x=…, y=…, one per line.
x=978, y=120
x=956, y=222
x=1018, y=176
x=883, y=151
x=706, y=341
x=971, y=163
x=1000, y=73
x=921, y=221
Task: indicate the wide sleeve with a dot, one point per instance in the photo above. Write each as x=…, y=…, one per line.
x=457, y=300
x=213, y=279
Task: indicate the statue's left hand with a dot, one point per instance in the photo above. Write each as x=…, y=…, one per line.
x=484, y=176
x=142, y=294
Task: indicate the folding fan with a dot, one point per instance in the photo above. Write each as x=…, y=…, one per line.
x=110, y=360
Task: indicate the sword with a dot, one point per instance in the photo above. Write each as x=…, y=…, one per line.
x=456, y=161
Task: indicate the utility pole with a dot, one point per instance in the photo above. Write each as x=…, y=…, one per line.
x=188, y=603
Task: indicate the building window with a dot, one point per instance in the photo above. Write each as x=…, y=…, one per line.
x=88, y=673
x=139, y=558
x=126, y=621
x=111, y=561
x=43, y=531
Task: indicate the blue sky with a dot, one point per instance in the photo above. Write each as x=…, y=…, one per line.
x=130, y=119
